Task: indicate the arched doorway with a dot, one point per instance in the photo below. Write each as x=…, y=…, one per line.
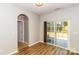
x=22, y=31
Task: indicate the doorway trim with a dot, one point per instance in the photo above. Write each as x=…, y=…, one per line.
x=25, y=28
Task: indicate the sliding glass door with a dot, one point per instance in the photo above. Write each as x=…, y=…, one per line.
x=61, y=34
x=57, y=33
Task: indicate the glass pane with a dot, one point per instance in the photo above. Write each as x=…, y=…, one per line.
x=50, y=32
x=61, y=34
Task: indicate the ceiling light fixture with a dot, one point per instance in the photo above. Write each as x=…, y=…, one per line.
x=39, y=4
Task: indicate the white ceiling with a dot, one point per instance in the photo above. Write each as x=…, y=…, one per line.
x=46, y=8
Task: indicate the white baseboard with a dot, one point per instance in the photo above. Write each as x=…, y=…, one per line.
x=33, y=43
x=12, y=53
x=74, y=51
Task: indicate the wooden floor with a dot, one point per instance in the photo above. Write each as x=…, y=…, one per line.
x=44, y=49
x=21, y=45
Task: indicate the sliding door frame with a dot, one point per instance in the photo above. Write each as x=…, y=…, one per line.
x=45, y=33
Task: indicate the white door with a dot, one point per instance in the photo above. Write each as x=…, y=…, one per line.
x=20, y=31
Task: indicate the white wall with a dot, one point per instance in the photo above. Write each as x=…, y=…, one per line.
x=70, y=14
x=34, y=29
x=8, y=27
x=20, y=31
x=8, y=30
x=26, y=32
